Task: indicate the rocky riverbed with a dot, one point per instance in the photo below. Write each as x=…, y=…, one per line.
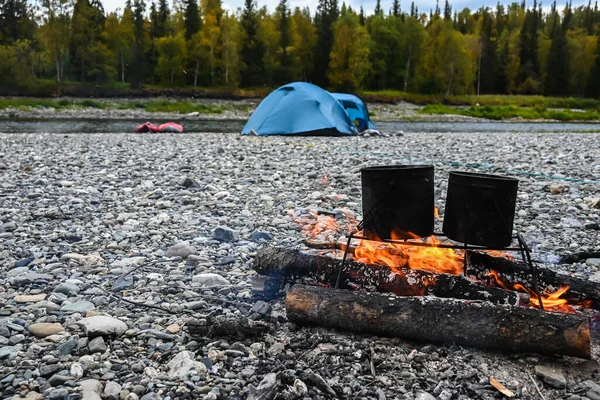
x=111, y=244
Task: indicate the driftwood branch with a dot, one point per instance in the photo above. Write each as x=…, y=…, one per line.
x=468, y=323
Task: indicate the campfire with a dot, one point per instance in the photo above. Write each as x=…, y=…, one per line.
x=464, y=279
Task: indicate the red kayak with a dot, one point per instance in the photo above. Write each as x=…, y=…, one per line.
x=147, y=127
x=170, y=127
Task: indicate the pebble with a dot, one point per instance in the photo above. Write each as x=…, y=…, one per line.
x=44, y=329
x=210, y=279
x=551, y=376
x=103, y=326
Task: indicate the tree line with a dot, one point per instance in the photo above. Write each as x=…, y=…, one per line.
x=512, y=49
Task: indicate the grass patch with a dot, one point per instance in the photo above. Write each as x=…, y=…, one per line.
x=513, y=111
x=483, y=100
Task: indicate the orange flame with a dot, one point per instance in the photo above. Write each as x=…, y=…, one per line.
x=551, y=301
x=436, y=213
x=433, y=259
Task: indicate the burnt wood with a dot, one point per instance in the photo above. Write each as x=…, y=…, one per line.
x=467, y=323
x=580, y=289
x=287, y=264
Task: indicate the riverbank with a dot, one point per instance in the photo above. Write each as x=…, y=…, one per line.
x=164, y=108
x=173, y=109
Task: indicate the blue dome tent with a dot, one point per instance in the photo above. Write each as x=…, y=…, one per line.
x=356, y=109
x=299, y=108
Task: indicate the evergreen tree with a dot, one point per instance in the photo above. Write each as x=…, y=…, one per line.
x=283, y=25
x=138, y=73
x=16, y=21
x=396, y=8
x=378, y=10
x=528, y=77
x=447, y=11
x=326, y=16
x=488, y=72
x=361, y=16
x=557, y=70
x=191, y=18
x=251, y=47
x=412, y=10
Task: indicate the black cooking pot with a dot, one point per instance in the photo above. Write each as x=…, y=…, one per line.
x=397, y=198
x=480, y=209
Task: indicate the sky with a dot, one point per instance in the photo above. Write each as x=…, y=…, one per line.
x=368, y=5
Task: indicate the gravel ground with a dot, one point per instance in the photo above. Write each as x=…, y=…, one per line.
x=92, y=224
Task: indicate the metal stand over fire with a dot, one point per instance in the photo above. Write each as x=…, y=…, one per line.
x=523, y=249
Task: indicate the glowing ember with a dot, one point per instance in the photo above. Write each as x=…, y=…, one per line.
x=551, y=301
x=324, y=227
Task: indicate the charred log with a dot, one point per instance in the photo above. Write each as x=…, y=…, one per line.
x=288, y=265
x=580, y=289
x=478, y=324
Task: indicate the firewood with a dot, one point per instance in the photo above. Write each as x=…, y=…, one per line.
x=467, y=323
x=580, y=289
x=290, y=264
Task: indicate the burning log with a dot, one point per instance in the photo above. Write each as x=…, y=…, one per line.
x=478, y=324
x=292, y=264
x=579, y=289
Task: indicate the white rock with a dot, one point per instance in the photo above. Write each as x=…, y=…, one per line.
x=103, y=326
x=210, y=279
x=183, y=364
x=76, y=370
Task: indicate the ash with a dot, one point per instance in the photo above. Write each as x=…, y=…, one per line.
x=112, y=247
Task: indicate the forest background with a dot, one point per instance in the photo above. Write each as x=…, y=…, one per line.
x=512, y=49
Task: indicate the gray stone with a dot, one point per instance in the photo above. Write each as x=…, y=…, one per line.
x=58, y=394
x=51, y=369
x=67, y=347
x=319, y=382
x=182, y=250
x=103, y=326
x=112, y=390
x=266, y=388
x=258, y=236
x=183, y=364
x=8, y=226
x=97, y=345
x=16, y=339
x=225, y=234
x=67, y=288
x=551, y=376
x=81, y=306
x=4, y=331
x=210, y=279
x=58, y=380
x=91, y=389
x=262, y=308
x=7, y=351
x=593, y=262
x=151, y=396
x=424, y=396
x=276, y=348
x=122, y=283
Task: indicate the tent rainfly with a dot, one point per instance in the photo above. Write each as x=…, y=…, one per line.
x=300, y=108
